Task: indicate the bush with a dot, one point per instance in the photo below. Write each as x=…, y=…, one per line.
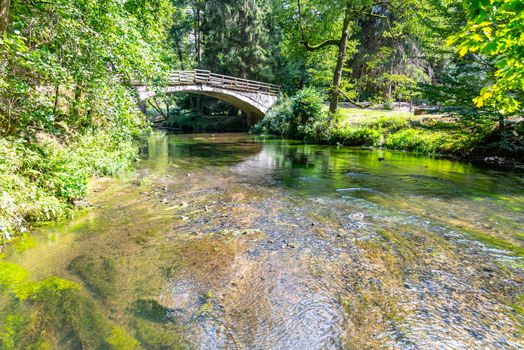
x=388, y=124
x=41, y=180
x=277, y=120
x=303, y=116
x=429, y=142
x=356, y=136
x=185, y=120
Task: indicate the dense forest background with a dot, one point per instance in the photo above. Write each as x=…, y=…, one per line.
x=68, y=112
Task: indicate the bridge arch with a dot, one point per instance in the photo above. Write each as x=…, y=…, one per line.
x=253, y=97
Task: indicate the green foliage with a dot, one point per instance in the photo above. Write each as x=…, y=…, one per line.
x=303, y=116
x=41, y=180
x=495, y=30
x=42, y=314
x=236, y=39
x=369, y=132
x=66, y=113
x=185, y=120
x=401, y=131
x=421, y=141
x=359, y=136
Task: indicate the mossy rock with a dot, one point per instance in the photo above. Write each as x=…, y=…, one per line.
x=156, y=336
x=99, y=273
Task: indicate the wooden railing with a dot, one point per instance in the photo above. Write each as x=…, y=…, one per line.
x=199, y=76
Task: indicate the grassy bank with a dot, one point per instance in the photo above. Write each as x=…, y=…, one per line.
x=429, y=135
x=45, y=178
x=305, y=117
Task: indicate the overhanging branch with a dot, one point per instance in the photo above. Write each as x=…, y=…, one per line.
x=305, y=42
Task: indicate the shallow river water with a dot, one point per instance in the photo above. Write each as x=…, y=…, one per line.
x=230, y=241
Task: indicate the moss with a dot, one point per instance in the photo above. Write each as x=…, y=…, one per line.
x=120, y=340
x=208, y=302
x=401, y=244
x=371, y=301
x=99, y=273
x=149, y=310
x=495, y=242
x=43, y=314
x=145, y=236
x=156, y=336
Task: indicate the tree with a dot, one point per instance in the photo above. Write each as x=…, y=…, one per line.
x=4, y=16
x=340, y=42
x=235, y=39
x=60, y=57
x=341, y=22
x=495, y=30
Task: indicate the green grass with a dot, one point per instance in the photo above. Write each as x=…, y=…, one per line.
x=430, y=135
x=357, y=115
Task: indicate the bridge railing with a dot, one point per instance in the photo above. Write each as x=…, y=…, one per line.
x=199, y=76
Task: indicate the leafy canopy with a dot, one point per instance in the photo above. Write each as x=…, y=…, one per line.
x=496, y=30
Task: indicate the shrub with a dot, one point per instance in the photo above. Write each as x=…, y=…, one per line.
x=429, y=142
x=389, y=104
x=185, y=120
x=388, y=123
x=303, y=116
x=356, y=136
x=277, y=120
x=42, y=179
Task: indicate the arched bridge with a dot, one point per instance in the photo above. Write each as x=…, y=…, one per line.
x=253, y=97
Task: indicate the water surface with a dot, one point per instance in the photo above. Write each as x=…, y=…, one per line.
x=240, y=242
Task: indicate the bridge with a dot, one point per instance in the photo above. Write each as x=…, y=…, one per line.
x=254, y=98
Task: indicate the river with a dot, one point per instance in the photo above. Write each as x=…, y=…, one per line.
x=239, y=242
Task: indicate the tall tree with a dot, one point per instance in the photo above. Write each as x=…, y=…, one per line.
x=336, y=24
x=4, y=16
x=236, y=38
x=340, y=42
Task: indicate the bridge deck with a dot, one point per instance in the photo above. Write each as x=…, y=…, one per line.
x=199, y=76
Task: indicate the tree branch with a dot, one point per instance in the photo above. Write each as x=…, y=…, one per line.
x=330, y=42
x=156, y=106
x=350, y=99
x=305, y=42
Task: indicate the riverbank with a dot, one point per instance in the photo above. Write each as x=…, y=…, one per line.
x=46, y=178
x=473, y=138
x=442, y=135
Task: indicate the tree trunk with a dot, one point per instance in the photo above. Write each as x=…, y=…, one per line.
x=57, y=95
x=335, y=93
x=502, y=122
x=198, y=33
x=4, y=16
x=199, y=104
x=154, y=103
